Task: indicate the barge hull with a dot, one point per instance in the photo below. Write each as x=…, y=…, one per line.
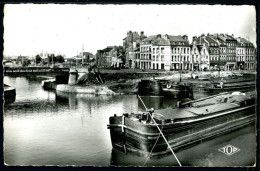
x=144, y=140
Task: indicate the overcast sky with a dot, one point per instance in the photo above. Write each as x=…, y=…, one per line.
x=30, y=29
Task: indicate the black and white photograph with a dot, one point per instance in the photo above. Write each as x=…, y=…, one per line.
x=129, y=85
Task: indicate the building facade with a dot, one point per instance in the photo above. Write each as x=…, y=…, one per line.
x=245, y=54
x=130, y=44
x=165, y=52
x=168, y=52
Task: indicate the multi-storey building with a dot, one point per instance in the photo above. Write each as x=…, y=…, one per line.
x=104, y=57
x=146, y=52
x=209, y=52
x=137, y=57
x=195, y=56
x=245, y=54
x=222, y=51
x=165, y=52
x=180, y=53
x=231, y=44
x=130, y=43
x=117, y=55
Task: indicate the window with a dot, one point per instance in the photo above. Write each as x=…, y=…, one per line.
x=162, y=57
x=162, y=50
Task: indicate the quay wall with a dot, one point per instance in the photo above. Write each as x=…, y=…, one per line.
x=85, y=89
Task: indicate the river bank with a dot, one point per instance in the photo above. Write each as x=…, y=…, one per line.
x=127, y=83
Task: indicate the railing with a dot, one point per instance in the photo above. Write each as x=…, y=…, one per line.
x=24, y=70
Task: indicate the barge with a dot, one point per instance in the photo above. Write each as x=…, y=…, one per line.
x=178, y=90
x=150, y=88
x=9, y=94
x=181, y=126
x=224, y=84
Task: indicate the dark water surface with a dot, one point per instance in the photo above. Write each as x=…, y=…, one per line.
x=54, y=128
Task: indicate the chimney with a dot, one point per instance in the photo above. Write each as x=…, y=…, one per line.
x=194, y=38
x=185, y=37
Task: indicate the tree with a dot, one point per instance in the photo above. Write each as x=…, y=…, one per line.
x=38, y=59
x=60, y=58
x=26, y=62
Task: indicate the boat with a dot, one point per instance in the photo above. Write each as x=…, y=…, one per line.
x=231, y=84
x=148, y=87
x=9, y=94
x=156, y=133
x=211, y=86
x=178, y=90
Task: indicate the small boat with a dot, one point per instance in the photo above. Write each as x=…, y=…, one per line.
x=9, y=94
x=155, y=133
x=150, y=88
x=178, y=90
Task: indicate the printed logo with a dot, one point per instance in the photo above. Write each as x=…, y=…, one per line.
x=229, y=150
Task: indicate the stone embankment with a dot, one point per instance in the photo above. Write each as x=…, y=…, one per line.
x=85, y=89
x=126, y=83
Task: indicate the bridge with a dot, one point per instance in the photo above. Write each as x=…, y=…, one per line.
x=9, y=71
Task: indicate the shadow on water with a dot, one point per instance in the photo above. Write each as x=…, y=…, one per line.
x=204, y=154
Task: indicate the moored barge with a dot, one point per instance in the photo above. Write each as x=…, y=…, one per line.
x=182, y=126
x=9, y=94
x=150, y=88
x=178, y=90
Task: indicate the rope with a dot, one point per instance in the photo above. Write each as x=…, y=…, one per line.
x=161, y=132
x=152, y=149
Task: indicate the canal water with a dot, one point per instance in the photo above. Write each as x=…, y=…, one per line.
x=54, y=128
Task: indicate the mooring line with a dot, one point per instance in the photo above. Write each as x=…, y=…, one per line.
x=161, y=132
x=152, y=149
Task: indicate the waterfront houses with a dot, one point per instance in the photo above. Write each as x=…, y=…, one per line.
x=231, y=43
x=165, y=52
x=180, y=53
x=131, y=44
x=195, y=56
x=169, y=52
x=111, y=56
x=209, y=52
x=245, y=54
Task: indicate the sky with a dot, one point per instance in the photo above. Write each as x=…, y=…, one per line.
x=30, y=29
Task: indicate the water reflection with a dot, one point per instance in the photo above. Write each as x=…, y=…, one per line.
x=55, y=128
